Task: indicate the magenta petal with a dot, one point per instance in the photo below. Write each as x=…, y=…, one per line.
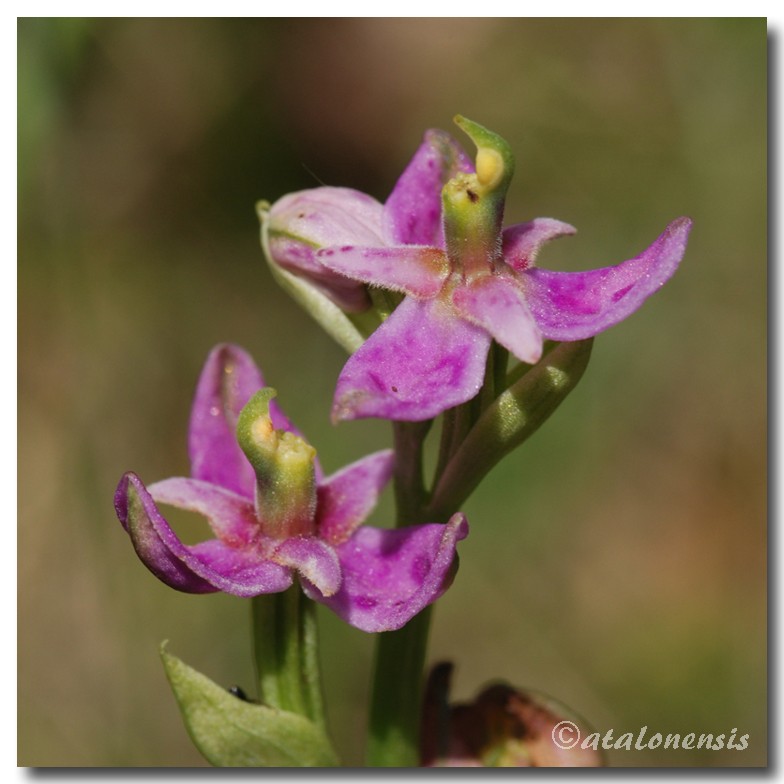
x=417, y=271
x=227, y=382
x=203, y=568
x=422, y=360
x=315, y=560
x=578, y=305
x=154, y=541
x=412, y=213
x=521, y=243
x=346, y=498
x=239, y=572
x=391, y=575
x=232, y=517
x=497, y=304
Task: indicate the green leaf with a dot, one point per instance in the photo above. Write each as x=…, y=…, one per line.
x=232, y=733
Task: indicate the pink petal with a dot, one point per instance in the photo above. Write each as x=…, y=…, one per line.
x=346, y=498
x=243, y=573
x=227, y=382
x=232, y=517
x=422, y=360
x=521, y=243
x=498, y=305
x=578, y=305
x=389, y=575
x=412, y=213
x=417, y=271
x=328, y=216
x=315, y=560
x=301, y=223
x=203, y=568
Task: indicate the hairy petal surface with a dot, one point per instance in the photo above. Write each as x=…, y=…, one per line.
x=202, y=568
x=521, y=243
x=422, y=360
x=578, y=305
x=417, y=271
x=498, y=305
x=412, y=213
x=346, y=498
x=389, y=575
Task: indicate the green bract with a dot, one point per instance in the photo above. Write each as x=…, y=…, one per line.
x=232, y=733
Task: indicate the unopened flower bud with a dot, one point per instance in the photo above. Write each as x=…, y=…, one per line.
x=301, y=223
x=503, y=727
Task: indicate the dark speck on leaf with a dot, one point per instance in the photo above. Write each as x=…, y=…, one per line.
x=473, y=196
x=239, y=693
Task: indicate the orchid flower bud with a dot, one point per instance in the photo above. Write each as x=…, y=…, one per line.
x=503, y=727
x=300, y=223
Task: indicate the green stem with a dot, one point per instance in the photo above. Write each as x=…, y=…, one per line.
x=396, y=701
x=395, y=708
x=410, y=494
x=286, y=653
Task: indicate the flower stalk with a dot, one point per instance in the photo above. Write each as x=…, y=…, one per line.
x=285, y=654
x=396, y=700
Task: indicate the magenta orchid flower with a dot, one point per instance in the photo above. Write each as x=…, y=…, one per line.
x=467, y=283
x=273, y=513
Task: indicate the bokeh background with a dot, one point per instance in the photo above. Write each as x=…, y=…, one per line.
x=617, y=561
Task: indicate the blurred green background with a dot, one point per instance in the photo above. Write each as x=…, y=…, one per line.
x=616, y=562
